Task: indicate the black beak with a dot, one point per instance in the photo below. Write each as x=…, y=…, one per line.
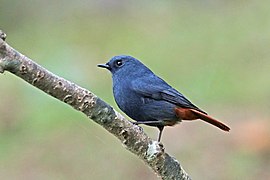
x=104, y=66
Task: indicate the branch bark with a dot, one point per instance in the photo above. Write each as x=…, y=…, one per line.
x=131, y=136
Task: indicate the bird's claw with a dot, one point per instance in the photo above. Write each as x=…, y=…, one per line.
x=137, y=124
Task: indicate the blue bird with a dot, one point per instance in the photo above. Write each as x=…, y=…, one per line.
x=148, y=99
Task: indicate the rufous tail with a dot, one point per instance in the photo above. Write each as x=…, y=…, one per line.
x=192, y=114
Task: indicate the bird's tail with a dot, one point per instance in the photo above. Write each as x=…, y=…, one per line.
x=192, y=114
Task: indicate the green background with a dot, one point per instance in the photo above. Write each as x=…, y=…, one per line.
x=215, y=52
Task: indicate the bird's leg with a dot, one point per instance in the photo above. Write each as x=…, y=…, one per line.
x=160, y=132
x=159, y=124
x=150, y=123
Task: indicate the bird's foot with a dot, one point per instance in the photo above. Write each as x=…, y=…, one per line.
x=137, y=124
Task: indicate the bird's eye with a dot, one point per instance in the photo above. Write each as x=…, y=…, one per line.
x=119, y=63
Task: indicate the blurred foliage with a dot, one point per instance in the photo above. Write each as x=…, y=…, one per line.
x=215, y=52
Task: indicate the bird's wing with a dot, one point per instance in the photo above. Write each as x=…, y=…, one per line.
x=158, y=89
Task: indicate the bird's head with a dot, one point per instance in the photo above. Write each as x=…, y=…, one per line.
x=122, y=64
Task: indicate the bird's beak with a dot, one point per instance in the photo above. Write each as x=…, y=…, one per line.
x=104, y=66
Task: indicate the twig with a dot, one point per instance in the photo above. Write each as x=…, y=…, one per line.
x=131, y=136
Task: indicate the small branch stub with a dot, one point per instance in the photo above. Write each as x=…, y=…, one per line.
x=3, y=36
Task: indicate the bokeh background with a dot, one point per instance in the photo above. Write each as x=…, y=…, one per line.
x=216, y=52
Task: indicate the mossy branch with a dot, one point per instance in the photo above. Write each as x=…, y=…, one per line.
x=130, y=135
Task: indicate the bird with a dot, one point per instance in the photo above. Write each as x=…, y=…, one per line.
x=148, y=99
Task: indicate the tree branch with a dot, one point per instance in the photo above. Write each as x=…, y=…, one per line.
x=131, y=136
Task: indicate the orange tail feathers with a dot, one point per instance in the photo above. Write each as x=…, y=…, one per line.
x=192, y=114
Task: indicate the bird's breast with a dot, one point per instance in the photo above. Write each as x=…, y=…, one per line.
x=127, y=100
